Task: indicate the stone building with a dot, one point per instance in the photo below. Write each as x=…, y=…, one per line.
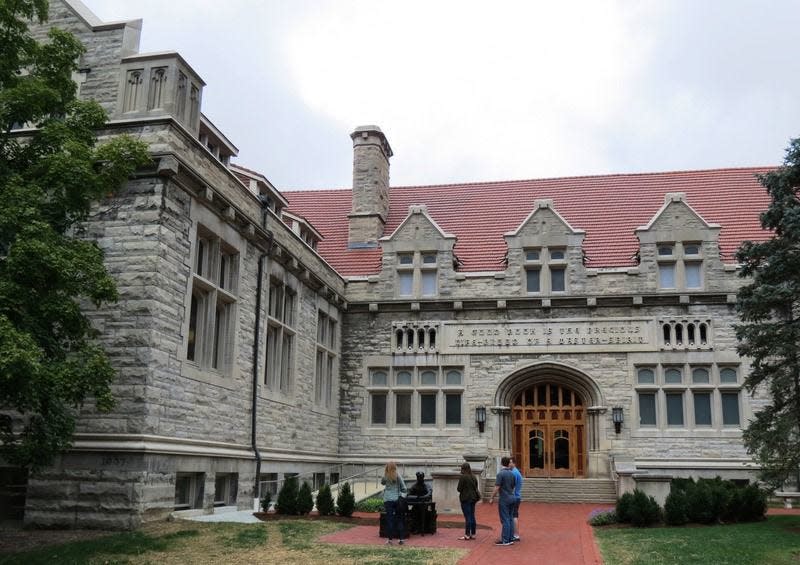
x=583, y=324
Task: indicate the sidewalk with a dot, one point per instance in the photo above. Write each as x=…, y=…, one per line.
x=551, y=533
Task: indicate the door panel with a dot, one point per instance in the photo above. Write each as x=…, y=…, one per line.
x=548, y=425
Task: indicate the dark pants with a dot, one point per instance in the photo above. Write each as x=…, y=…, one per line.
x=468, y=508
x=394, y=519
x=505, y=508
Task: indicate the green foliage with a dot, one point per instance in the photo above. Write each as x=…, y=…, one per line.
x=623, y=509
x=265, y=501
x=49, y=362
x=325, y=504
x=305, y=501
x=769, y=308
x=676, y=508
x=713, y=501
x=644, y=510
x=603, y=518
x=287, y=497
x=370, y=505
x=346, y=501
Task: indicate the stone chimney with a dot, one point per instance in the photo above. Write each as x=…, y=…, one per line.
x=371, y=154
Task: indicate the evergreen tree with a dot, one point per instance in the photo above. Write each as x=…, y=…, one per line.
x=49, y=362
x=346, y=501
x=287, y=497
x=769, y=309
x=325, y=505
x=305, y=501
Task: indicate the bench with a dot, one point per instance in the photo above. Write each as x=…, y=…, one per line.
x=787, y=497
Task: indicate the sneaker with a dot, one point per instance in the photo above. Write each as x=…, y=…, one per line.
x=401, y=542
x=388, y=542
x=516, y=538
x=501, y=542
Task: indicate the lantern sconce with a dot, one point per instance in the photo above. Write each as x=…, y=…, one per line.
x=617, y=418
x=480, y=417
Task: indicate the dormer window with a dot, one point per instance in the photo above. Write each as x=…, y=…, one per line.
x=417, y=274
x=680, y=266
x=545, y=270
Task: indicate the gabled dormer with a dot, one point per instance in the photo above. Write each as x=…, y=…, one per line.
x=418, y=256
x=303, y=228
x=545, y=252
x=678, y=246
x=259, y=185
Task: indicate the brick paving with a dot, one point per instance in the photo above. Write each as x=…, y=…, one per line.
x=551, y=534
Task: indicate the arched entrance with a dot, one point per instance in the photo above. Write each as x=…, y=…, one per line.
x=549, y=425
x=549, y=419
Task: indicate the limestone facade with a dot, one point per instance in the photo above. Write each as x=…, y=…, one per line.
x=244, y=356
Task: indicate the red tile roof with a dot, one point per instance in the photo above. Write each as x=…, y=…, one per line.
x=609, y=208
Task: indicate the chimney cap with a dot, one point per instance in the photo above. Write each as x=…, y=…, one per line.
x=365, y=132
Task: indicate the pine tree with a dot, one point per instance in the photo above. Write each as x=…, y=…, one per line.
x=346, y=501
x=305, y=501
x=287, y=497
x=769, y=308
x=325, y=505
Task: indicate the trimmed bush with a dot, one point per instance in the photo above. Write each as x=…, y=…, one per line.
x=287, y=497
x=623, y=509
x=644, y=510
x=305, y=502
x=325, y=505
x=370, y=505
x=603, y=518
x=752, y=504
x=265, y=501
x=346, y=501
x=700, y=508
x=676, y=507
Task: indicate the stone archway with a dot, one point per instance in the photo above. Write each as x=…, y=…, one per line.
x=548, y=416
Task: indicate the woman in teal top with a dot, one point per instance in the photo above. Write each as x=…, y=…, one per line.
x=395, y=489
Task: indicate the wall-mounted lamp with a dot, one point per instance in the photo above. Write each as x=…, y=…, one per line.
x=480, y=417
x=617, y=418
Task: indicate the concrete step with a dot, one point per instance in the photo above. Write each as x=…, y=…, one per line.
x=565, y=490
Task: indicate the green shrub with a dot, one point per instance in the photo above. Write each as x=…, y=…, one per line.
x=644, y=510
x=287, y=497
x=370, y=505
x=603, y=518
x=623, y=509
x=265, y=501
x=753, y=504
x=346, y=501
x=700, y=508
x=676, y=508
x=325, y=505
x=305, y=502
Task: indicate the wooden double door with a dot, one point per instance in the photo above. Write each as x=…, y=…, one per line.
x=549, y=439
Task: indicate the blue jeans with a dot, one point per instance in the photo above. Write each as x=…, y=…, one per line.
x=506, y=508
x=468, y=508
x=394, y=519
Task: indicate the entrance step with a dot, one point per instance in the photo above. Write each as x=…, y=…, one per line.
x=565, y=490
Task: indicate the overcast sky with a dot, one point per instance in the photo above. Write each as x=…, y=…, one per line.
x=475, y=91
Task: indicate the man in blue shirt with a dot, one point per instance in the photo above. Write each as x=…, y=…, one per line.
x=517, y=497
x=504, y=487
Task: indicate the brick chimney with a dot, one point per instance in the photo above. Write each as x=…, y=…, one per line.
x=371, y=154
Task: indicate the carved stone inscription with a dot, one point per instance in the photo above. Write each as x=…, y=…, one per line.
x=611, y=334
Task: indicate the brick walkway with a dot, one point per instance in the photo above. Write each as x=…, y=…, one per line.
x=551, y=533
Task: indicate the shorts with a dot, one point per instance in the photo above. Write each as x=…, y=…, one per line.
x=515, y=509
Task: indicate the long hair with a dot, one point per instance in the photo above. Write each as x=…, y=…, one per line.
x=466, y=469
x=390, y=471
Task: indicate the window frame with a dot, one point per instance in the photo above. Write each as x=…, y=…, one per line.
x=540, y=260
x=413, y=272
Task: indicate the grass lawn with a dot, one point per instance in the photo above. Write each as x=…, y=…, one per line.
x=772, y=542
x=198, y=542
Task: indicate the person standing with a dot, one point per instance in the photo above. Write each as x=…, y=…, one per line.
x=517, y=497
x=395, y=488
x=504, y=489
x=468, y=495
